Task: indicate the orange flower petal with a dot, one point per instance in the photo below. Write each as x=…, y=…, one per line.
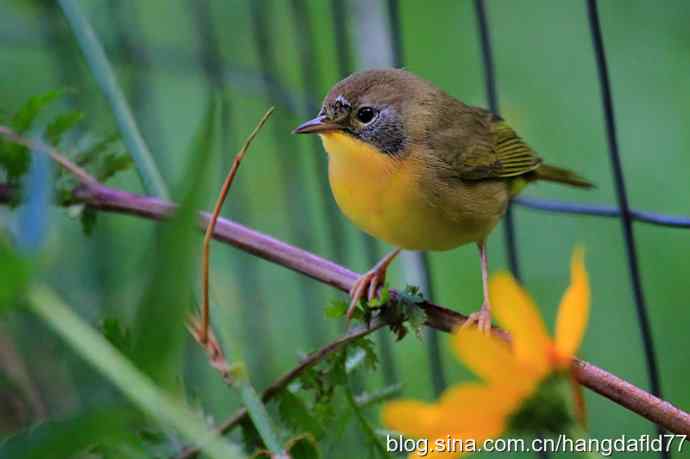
x=573, y=312
x=466, y=411
x=516, y=312
x=469, y=412
x=486, y=355
x=469, y=405
x=412, y=418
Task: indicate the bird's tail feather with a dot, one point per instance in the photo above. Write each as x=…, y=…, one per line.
x=556, y=174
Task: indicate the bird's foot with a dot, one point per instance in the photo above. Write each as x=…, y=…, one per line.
x=482, y=318
x=367, y=286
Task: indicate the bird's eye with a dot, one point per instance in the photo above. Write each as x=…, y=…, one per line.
x=365, y=114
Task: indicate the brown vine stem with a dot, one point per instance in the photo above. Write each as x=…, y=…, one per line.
x=84, y=177
x=206, y=248
x=101, y=197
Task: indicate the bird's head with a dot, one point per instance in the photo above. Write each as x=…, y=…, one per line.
x=374, y=106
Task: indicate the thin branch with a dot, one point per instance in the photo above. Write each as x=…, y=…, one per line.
x=104, y=198
x=84, y=177
x=213, y=350
x=214, y=218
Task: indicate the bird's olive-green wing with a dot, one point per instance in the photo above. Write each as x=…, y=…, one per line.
x=505, y=155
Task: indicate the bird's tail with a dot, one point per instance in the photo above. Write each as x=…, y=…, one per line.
x=556, y=174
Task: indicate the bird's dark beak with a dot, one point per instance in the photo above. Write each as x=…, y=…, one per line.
x=318, y=124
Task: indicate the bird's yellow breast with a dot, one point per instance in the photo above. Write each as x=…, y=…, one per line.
x=386, y=197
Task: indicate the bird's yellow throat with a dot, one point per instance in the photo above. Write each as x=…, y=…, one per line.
x=370, y=187
x=381, y=194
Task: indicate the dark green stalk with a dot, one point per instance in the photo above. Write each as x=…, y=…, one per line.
x=104, y=75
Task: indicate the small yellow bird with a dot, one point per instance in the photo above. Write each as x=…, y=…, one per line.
x=420, y=170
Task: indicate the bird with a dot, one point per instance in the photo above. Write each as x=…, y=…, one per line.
x=420, y=170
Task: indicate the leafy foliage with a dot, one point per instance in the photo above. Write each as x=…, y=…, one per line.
x=408, y=304
x=323, y=396
x=295, y=413
x=14, y=158
x=101, y=157
x=61, y=124
x=403, y=307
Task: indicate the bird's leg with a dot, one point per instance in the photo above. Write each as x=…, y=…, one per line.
x=482, y=317
x=368, y=284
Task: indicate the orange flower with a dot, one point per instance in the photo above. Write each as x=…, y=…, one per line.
x=516, y=379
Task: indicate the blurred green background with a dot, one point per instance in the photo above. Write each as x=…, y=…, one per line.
x=169, y=55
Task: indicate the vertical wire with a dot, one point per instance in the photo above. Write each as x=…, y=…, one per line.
x=310, y=71
x=252, y=301
x=492, y=98
x=422, y=268
x=344, y=59
x=623, y=204
x=293, y=178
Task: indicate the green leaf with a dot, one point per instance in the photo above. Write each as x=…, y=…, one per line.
x=372, y=440
x=412, y=294
x=382, y=298
x=371, y=360
x=366, y=399
x=117, y=335
x=60, y=125
x=416, y=318
x=92, y=152
x=295, y=413
x=103, y=163
x=111, y=164
x=23, y=120
x=15, y=158
x=15, y=272
x=303, y=447
x=408, y=304
x=335, y=309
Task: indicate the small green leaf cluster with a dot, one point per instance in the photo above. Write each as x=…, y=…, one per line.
x=403, y=309
x=102, y=157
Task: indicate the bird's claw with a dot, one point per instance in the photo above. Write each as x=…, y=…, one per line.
x=366, y=286
x=482, y=318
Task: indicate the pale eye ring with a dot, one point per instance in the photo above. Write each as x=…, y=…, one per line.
x=366, y=115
